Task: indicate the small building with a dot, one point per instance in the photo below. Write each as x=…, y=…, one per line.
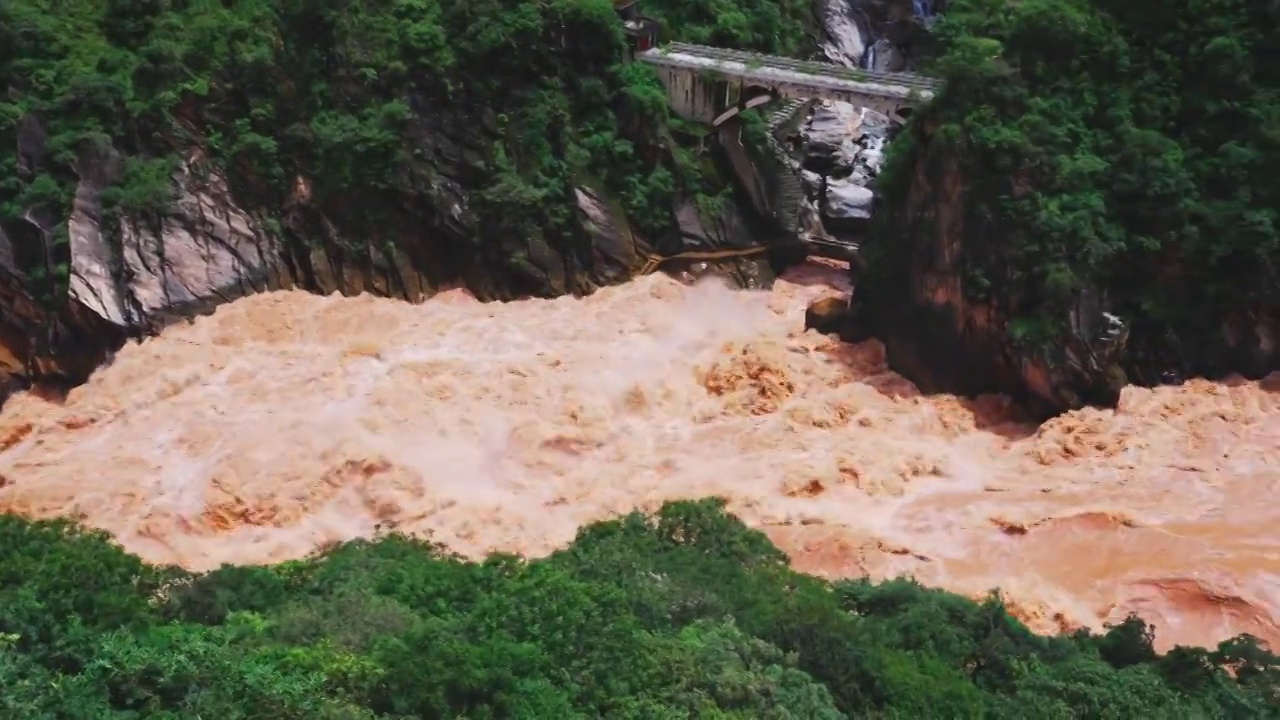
x=642, y=32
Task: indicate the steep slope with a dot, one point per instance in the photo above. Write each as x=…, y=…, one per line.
x=1092, y=201
x=163, y=157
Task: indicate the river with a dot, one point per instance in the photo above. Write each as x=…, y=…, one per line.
x=287, y=421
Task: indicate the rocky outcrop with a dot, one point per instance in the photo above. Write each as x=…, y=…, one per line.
x=841, y=151
x=944, y=338
x=934, y=333
x=133, y=271
x=945, y=341
x=878, y=34
x=129, y=276
x=827, y=315
x=841, y=146
x=617, y=250
x=61, y=344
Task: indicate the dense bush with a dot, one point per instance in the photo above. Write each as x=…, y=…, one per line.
x=1124, y=145
x=683, y=614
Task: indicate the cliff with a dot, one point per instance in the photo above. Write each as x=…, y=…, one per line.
x=162, y=160
x=945, y=338
x=1059, y=229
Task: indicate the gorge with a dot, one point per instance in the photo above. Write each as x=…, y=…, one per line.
x=210, y=223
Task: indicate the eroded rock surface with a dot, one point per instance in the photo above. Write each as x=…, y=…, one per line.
x=116, y=276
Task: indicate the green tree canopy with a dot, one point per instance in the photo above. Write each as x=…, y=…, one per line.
x=1124, y=146
x=682, y=614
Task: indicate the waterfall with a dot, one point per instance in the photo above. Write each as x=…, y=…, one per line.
x=856, y=37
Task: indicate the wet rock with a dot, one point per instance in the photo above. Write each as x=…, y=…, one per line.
x=610, y=235
x=38, y=340
x=830, y=127
x=6, y=251
x=846, y=31
x=884, y=56
x=870, y=159
x=844, y=152
x=873, y=123
x=205, y=251
x=848, y=201
x=827, y=315
x=727, y=229
x=9, y=385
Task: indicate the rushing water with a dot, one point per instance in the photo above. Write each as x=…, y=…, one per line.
x=287, y=421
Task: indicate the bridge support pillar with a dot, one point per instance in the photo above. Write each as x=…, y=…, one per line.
x=692, y=96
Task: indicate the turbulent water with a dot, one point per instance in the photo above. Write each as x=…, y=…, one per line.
x=288, y=421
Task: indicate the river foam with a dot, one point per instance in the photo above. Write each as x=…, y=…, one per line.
x=287, y=421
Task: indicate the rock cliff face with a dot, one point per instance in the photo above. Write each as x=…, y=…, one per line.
x=943, y=338
x=223, y=236
x=962, y=307
x=128, y=277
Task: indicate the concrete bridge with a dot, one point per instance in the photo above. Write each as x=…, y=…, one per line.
x=712, y=85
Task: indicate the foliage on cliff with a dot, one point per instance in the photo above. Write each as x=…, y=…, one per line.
x=1128, y=146
x=349, y=98
x=682, y=614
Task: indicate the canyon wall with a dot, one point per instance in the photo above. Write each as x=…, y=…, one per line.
x=1060, y=230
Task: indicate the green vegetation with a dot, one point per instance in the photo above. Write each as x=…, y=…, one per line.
x=683, y=614
x=1124, y=145
x=376, y=104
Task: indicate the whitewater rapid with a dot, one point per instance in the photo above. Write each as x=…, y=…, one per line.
x=286, y=421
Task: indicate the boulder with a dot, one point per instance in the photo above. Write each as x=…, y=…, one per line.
x=831, y=125
x=848, y=201
x=725, y=230
x=827, y=315
x=884, y=56
x=610, y=234
x=844, y=146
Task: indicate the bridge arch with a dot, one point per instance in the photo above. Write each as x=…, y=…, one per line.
x=752, y=97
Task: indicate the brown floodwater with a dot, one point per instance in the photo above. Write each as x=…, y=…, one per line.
x=287, y=421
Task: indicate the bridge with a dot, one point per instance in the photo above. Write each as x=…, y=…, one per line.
x=712, y=85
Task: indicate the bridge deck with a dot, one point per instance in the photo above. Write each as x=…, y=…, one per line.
x=770, y=70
